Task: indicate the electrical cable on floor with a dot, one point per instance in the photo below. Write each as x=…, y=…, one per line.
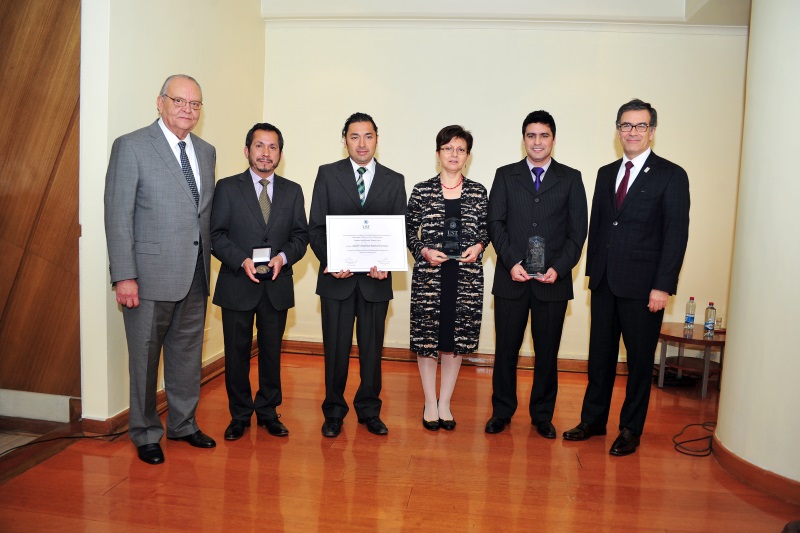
x=60, y=438
x=680, y=445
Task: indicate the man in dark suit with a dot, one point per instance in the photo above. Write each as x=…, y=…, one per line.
x=536, y=197
x=358, y=185
x=159, y=189
x=637, y=239
x=252, y=211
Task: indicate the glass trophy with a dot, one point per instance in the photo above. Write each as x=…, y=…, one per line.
x=451, y=245
x=534, y=258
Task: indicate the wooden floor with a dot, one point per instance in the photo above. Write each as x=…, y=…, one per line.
x=412, y=480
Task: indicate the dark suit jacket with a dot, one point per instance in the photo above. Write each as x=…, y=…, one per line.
x=557, y=212
x=335, y=193
x=237, y=226
x=152, y=222
x=641, y=247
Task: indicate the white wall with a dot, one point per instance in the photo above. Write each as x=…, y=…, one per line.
x=757, y=418
x=128, y=49
x=416, y=76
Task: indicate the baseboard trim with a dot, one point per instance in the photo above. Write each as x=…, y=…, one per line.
x=774, y=484
x=120, y=421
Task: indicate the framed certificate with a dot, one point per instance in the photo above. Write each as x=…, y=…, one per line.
x=359, y=242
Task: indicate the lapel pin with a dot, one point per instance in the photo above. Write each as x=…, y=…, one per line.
x=646, y=170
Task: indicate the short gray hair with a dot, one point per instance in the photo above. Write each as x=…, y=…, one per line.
x=184, y=76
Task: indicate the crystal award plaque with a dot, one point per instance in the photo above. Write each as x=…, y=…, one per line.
x=452, y=238
x=534, y=259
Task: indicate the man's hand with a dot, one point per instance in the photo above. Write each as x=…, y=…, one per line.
x=275, y=264
x=658, y=300
x=128, y=293
x=338, y=275
x=518, y=273
x=377, y=274
x=548, y=277
x=250, y=269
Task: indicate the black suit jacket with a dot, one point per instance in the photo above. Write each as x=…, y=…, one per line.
x=335, y=193
x=237, y=226
x=641, y=246
x=557, y=212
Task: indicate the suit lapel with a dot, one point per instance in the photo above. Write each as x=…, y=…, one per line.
x=168, y=156
x=347, y=180
x=551, y=178
x=377, y=188
x=640, y=183
x=524, y=178
x=248, y=193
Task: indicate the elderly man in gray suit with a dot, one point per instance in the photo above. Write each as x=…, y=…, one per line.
x=159, y=189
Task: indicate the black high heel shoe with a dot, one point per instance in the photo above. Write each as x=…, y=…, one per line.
x=430, y=426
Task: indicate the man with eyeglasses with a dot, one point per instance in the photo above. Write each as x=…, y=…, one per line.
x=638, y=232
x=158, y=195
x=358, y=185
x=536, y=200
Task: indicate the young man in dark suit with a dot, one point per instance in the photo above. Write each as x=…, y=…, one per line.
x=536, y=197
x=637, y=239
x=358, y=185
x=252, y=211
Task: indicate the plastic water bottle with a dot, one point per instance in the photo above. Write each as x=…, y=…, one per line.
x=711, y=317
x=690, y=307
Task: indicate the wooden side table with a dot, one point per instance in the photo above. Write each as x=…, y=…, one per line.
x=675, y=332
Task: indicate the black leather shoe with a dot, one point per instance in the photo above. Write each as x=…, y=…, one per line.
x=546, y=430
x=582, y=432
x=235, y=429
x=332, y=427
x=497, y=424
x=448, y=425
x=274, y=426
x=375, y=425
x=151, y=453
x=625, y=444
x=198, y=439
x=430, y=426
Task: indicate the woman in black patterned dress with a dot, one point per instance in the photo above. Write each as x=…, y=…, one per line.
x=446, y=292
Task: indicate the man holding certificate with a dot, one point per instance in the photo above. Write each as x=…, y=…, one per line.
x=537, y=224
x=356, y=186
x=258, y=230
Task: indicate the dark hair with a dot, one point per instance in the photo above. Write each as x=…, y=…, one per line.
x=638, y=105
x=539, y=117
x=264, y=126
x=448, y=133
x=358, y=117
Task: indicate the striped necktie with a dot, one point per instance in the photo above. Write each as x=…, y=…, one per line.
x=263, y=200
x=187, y=172
x=362, y=192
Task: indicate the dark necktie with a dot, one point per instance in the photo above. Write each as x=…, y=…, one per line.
x=263, y=200
x=622, y=190
x=362, y=192
x=187, y=172
x=538, y=171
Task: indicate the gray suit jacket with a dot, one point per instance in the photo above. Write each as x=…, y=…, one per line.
x=153, y=227
x=237, y=226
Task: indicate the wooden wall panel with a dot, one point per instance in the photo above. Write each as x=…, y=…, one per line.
x=39, y=135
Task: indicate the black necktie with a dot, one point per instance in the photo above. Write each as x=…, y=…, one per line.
x=187, y=172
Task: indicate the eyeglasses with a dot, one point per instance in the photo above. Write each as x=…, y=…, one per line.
x=180, y=102
x=627, y=126
x=449, y=150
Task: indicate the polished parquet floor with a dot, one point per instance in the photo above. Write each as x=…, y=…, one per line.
x=411, y=480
